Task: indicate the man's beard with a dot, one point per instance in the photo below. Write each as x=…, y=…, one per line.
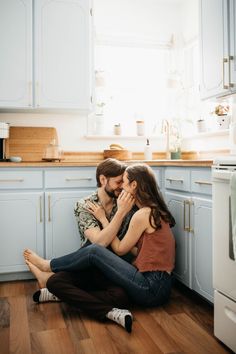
x=111, y=193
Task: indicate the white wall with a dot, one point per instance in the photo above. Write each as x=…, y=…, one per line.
x=144, y=20
x=150, y=21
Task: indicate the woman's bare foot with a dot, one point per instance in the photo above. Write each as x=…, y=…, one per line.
x=41, y=276
x=39, y=262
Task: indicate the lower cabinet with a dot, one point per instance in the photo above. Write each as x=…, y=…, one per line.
x=21, y=226
x=201, y=247
x=191, y=205
x=37, y=212
x=177, y=206
x=62, y=235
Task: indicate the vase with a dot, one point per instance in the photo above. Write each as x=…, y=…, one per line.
x=99, y=124
x=201, y=126
x=223, y=121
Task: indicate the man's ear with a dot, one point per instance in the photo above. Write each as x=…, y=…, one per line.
x=103, y=180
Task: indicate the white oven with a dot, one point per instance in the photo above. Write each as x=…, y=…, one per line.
x=224, y=258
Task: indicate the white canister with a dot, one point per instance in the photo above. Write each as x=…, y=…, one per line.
x=201, y=126
x=140, y=127
x=117, y=129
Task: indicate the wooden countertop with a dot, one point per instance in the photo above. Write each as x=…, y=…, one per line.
x=160, y=162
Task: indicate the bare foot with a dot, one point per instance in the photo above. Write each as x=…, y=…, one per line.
x=41, y=276
x=39, y=262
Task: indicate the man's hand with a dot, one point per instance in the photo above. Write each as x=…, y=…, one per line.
x=125, y=202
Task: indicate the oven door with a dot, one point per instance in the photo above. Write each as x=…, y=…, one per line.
x=224, y=264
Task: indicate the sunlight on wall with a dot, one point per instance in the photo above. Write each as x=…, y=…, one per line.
x=135, y=86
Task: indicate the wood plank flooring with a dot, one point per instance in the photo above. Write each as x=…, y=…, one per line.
x=184, y=325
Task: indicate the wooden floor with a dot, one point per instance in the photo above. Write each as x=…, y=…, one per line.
x=185, y=325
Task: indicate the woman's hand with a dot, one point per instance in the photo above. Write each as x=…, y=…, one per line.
x=97, y=211
x=125, y=202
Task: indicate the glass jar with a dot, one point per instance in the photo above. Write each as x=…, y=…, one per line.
x=140, y=127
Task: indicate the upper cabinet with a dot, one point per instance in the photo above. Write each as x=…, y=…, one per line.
x=46, y=54
x=16, y=53
x=217, y=48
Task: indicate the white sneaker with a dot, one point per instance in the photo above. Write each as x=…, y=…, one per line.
x=122, y=317
x=43, y=295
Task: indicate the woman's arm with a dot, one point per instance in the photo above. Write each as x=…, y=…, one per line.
x=138, y=224
x=106, y=235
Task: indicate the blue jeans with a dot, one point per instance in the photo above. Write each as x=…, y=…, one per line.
x=148, y=288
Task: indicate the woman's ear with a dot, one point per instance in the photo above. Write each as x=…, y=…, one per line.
x=133, y=185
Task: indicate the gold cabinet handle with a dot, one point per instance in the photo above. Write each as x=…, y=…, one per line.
x=186, y=228
x=30, y=93
x=40, y=209
x=68, y=179
x=175, y=180
x=49, y=208
x=189, y=216
x=12, y=180
x=225, y=61
x=37, y=94
x=204, y=182
x=231, y=58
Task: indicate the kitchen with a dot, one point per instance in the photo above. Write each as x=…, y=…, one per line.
x=139, y=67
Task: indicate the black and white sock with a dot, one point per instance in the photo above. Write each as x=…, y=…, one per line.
x=43, y=295
x=122, y=317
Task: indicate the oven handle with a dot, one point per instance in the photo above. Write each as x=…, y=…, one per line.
x=221, y=175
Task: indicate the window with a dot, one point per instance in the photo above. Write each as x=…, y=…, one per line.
x=135, y=87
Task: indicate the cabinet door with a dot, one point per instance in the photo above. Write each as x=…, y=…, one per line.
x=232, y=57
x=15, y=57
x=202, y=248
x=214, y=48
x=62, y=235
x=180, y=210
x=21, y=226
x=63, y=45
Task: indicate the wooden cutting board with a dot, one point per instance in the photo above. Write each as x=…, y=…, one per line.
x=29, y=142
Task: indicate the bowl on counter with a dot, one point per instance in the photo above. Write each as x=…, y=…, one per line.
x=15, y=158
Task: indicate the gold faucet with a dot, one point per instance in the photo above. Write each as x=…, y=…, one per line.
x=166, y=129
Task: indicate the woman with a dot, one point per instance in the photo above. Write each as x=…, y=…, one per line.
x=148, y=280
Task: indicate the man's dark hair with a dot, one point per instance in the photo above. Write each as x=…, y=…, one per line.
x=109, y=168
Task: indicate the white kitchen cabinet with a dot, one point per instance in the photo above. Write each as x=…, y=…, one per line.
x=177, y=206
x=21, y=220
x=46, y=51
x=37, y=212
x=188, y=196
x=62, y=235
x=202, y=247
x=63, y=43
x=63, y=188
x=16, y=53
x=217, y=48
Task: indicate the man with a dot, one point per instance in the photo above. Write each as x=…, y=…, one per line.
x=89, y=290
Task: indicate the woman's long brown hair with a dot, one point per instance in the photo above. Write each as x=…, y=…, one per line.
x=148, y=194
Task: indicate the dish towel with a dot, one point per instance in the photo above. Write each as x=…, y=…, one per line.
x=233, y=210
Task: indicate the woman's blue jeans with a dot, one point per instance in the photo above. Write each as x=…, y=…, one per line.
x=148, y=288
